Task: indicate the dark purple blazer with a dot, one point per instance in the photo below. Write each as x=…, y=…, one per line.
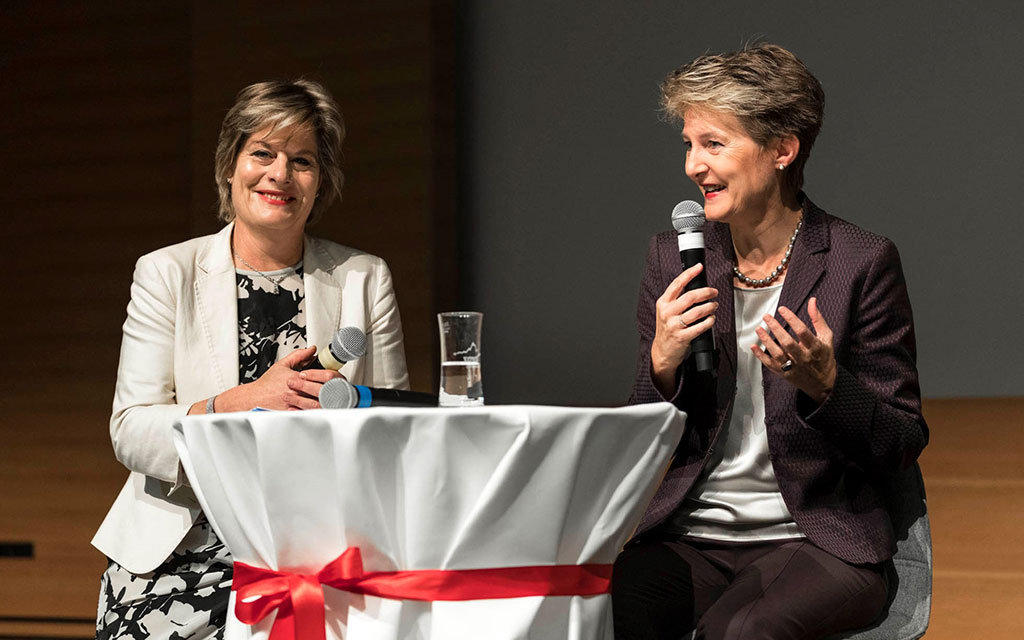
x=833, y=462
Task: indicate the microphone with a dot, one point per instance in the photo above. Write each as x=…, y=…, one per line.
x=688, y=221
x=349, y=343
x=342, y=394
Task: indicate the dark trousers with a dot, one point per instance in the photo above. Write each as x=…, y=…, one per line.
x=666, y=588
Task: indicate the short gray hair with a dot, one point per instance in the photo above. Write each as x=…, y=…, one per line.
x=766, y=87
x=278, y=104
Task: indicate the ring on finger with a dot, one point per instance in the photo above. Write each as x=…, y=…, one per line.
x=787, y=365
x=682, y=322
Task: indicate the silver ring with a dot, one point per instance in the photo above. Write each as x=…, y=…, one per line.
x=682, y=322
x=787, y=365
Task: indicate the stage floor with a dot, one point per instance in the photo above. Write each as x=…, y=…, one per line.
x=974, y=477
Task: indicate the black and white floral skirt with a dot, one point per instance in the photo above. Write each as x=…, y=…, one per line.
x=185, y=598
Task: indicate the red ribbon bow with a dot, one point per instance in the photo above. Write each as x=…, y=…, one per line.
x=299, y=598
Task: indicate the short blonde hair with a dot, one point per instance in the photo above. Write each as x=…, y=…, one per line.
x=766, y=87
x=279, y=104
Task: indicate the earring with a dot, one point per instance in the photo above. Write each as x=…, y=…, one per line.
x=781, y=167
x=229, y=179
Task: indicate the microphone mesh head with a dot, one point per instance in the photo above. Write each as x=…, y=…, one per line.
x=349, y=344
x=338, y=393
x=687, y=216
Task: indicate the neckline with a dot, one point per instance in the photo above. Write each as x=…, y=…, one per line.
x=276, y=272
x=771, y=287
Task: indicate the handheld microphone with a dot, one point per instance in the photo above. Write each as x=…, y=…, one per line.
x=342, y=394
x=349, y=343
x=688, y=221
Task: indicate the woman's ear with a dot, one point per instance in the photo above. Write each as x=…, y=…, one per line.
x=786, y=150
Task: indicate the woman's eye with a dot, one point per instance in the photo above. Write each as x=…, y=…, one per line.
x=261, y=154
x=686, y=143
x=304, y=162
x=714, y=144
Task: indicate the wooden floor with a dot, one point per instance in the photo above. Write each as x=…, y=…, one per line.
x=974, y=476
x=59, y=479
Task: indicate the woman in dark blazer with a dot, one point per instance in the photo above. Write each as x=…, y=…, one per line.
x=771, y=521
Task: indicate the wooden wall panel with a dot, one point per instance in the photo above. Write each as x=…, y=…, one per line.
x=108, y=124
x=95, y=126
x=380, y=61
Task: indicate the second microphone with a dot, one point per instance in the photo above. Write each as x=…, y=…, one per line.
x=342, y=394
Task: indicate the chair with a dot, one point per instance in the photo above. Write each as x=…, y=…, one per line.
x=910, y=608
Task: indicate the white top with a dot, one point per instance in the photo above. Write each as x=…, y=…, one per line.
x=738, y=498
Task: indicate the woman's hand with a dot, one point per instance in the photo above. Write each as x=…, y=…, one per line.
x=305, y=387
x=679, y=319
x=282, y=387
x=813, y=368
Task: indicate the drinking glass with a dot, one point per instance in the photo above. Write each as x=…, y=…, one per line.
x=461, y=382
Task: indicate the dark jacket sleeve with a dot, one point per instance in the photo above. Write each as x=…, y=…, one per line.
x=651, y=288
x=874, y=410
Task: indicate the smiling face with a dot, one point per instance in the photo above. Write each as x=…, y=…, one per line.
x=275, y=179
x=738, y=177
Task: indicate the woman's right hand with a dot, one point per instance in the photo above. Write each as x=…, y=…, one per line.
x=281, y=387
x=679, y=318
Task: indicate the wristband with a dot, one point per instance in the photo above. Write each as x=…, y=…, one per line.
x=209, y=405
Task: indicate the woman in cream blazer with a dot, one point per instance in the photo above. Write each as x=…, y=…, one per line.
x=277, y=167
x=180, y=346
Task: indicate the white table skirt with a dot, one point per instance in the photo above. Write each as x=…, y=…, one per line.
x=489, y=487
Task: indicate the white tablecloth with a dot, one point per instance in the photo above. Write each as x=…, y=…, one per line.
x=446, y=489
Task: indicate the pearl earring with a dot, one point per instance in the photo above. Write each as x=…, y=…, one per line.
x=229, y=179
x=781, y=167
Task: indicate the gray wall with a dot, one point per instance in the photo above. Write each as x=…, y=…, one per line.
x=567, y=170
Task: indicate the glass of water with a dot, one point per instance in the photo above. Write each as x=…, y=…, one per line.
x=461, y=382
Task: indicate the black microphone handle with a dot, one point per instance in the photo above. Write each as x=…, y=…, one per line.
x=703, y=346
x=689, y=258
x=314, y=363
x=400, y=398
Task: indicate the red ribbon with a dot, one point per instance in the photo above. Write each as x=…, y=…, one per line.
x=299, y=598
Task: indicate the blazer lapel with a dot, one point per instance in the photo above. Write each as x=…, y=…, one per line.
x=216, y=297
x=323, y=294
x=807, y=262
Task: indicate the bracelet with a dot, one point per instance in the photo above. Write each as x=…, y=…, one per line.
x=209, y=405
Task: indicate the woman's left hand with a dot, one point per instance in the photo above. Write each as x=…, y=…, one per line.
x=813, y=362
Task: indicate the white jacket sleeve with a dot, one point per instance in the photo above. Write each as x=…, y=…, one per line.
x=145, y=403
x=387, y=349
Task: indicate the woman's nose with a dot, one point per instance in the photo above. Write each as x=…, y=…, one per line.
x=694, y=165
x=280, y=170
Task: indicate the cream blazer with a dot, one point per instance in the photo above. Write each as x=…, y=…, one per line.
x=180, y=345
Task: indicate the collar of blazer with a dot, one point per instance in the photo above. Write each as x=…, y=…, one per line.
x=216, y=297
x=806, y=267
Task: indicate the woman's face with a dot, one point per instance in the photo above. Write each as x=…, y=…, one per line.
x=276, y=178
x=736, y=174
